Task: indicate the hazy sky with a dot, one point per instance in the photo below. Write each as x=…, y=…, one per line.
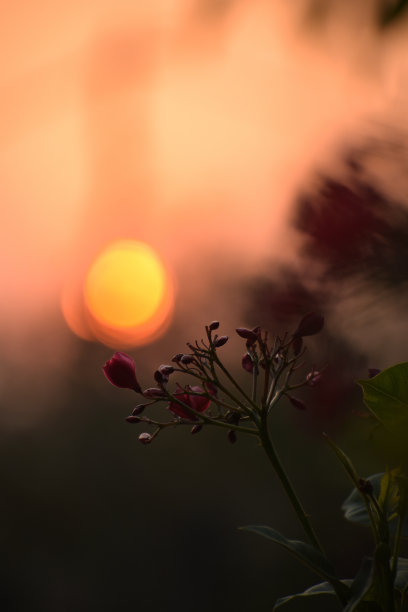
x=188, y=125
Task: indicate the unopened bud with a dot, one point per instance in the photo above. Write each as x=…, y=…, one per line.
x=145, y=438
x=297, y=403
x=133, y=419
x=138, y=409
x=313, y=378
x=166, y=370
x=247, y=363
x=195, y=429
x=212, y=389
x=248, y=334
x=232, y=436
x=310, y=325
x=177, y=357
x=365, y=486
x=153, y=392
x=214, y=325
x=233, y=417
x=221, y=341
x=159, y=378
x=186, y=359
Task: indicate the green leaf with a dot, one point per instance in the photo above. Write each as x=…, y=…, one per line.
x=305, y=553
x=323, y=588
x=355, y=509
x=386, y=396
x=361, y=599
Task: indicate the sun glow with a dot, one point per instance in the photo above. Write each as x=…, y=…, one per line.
x=127, y=296
x=125, y=285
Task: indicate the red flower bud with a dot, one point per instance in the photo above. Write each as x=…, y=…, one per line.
x=145, y=438
x=220, y=341
x=196, y=402
x=297, y=403
x=120, y=370
x=247, y=363
x=310, y=325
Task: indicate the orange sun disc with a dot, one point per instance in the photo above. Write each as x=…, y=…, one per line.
x=128, y=293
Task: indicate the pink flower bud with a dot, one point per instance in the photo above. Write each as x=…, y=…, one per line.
x=313, y=378
x=187, y=359
x=153, y=392
x=145, y=438
x=248, y=334
x=247, y=363
x=133, y=419
x=138, y=409
x=120, y=370
x=177, y=357
x=220, y=341
x=166, y=370
x=310, y=325
x=195, y=429
x=214, y=325
x=297, y=403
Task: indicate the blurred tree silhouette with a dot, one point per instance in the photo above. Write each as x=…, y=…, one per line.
x=351, y=230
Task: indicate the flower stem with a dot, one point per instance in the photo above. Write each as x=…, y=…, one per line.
x=287, y=485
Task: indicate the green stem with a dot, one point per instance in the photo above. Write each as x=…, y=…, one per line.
x=206, y=419
x=236, y=385
x=394, y=563
x=287, y=485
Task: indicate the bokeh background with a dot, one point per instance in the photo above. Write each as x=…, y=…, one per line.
x=260, y=148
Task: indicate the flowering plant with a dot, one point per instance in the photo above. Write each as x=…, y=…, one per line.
x=217, y=399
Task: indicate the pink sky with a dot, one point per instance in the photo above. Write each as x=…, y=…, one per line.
x=181, y=127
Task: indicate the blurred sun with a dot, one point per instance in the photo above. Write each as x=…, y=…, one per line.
x=125, y=284
x=127, y=296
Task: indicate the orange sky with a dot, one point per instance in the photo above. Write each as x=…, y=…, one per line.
x=172, y=123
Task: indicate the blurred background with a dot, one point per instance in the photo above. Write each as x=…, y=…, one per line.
x=165, y=164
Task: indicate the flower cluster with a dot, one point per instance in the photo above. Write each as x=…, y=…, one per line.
x=216, y=398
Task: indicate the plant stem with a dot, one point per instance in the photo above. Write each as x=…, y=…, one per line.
x=287, y=485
